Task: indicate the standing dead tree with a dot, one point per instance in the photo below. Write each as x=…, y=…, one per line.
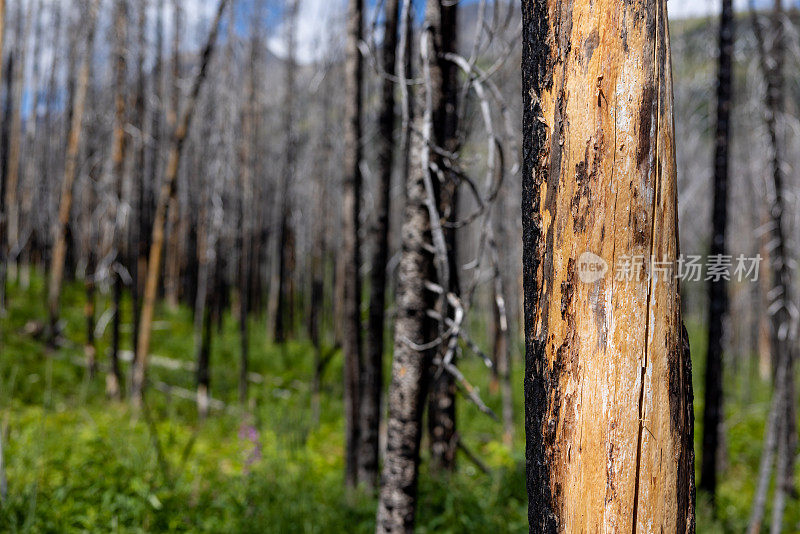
x=119, y=146
x=717, y=289
x=282, y=285
x=780, y=435
x=166, y=195
x=2, y=35
x=70, y=172
x=372, y=373
x=351, y=331
x=608, y=397
x=12, y=204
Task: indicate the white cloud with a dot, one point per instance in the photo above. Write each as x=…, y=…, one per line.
x=681, y=9
x=320, y=26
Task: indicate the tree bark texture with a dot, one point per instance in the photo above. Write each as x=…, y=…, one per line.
x=608, y=396
x=414, y=327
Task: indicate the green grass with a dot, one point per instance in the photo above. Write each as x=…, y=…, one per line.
x=77, y=462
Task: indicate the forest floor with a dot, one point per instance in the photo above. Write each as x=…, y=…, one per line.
x=76, y=462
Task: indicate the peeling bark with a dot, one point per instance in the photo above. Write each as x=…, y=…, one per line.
x=608, y=375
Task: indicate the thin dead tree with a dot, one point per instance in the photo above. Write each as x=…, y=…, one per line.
x=248, y=156
x=372, y=374
x=2, y=35
x=351, y=249
x=166, y=194
x=29, y=183
x=12, y=205
x=444, y=99
x=173, y=253
x=717, y=289
x=780, y=440
x=139, y=198
x=119, y=147
x=57, y=262
x=414, y=327
x=609, y=420
x=282, y=287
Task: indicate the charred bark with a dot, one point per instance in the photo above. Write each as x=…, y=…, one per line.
x=718, y=290
x=372, y=375
x=608, y=376
x=351, y=249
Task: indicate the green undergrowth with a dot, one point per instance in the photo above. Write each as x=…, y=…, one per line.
x=77, y=462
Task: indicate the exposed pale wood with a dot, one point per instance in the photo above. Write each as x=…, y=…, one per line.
x=166, y=195
x=608, y=376
x=70, y=171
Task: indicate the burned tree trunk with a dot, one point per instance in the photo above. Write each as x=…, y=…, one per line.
x=166, y=195
x=351, y=249
x=70, y=171
x=717, y=289
x=136, y=237
x=415, y=330
x=608, y=394
x=119, y=145
x=283, y=290
x=443, y=99
x=372, y=375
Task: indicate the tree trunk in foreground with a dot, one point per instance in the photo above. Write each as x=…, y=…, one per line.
x=166, y=194
x=608, y=377
x=351, y=249
x=718, y=290
x=372, y=375
x=70, y=171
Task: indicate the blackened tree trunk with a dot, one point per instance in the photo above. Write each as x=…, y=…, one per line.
x=443, y=73
x=372, y=383
x=414, y=327
x=608, y=396
x=173, y=251
x=717, y=289
x=284, y=294
x=139, y=171
x=351, y=331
